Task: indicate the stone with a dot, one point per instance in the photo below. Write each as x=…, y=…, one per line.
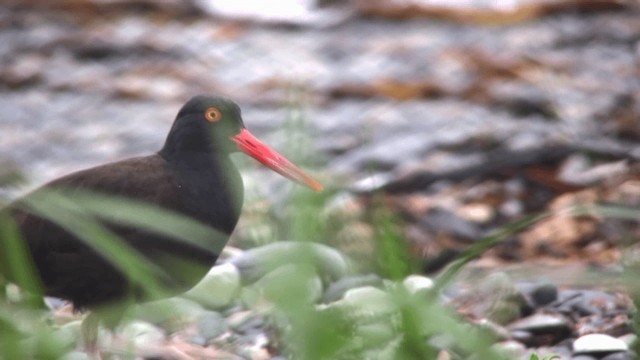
x=585, y=302
x=522, y=336
x=71, y=331
x=336, y=290
x=366, y=303
x=380, y=332
x=286, y=284
x=629, y=339
x=550, y=326
x=417, y=283
x=170, y=314
x=497, y=331
x=540, y=323
x=598, y=343
x=76, y=355
x=211, y=325
x=255, y=263
x=441, y=220
x=218, y=289
x=502, y=303
x=544, y=294
x=511, y=347
x=622, y=355
x=245, y=320
x=141, y=333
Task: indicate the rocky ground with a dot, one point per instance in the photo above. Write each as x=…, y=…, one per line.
x=458, y=119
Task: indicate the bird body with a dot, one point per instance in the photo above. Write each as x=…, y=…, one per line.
x=192, y=175
x=71, y=269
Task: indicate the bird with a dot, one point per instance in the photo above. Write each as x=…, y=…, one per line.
x=192, y=175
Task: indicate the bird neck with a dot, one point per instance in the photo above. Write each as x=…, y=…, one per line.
x=194, y=135
x=186, y=140
x=211, y=184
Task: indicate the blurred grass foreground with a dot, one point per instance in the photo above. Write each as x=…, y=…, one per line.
x=507, y=129
x=403, y=319
x=292, y=284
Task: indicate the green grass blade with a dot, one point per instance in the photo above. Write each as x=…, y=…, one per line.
x=68, y=215
x=124, y=211
x=15, y=257
x=482, y=245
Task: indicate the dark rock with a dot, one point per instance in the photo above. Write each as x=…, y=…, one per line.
x=438, y=261
x=546, y=329
x=622, y=355
x=523, y=100
x=521, y=336
x=491, y=162
x=539, y=294
x=383, y=155
x=583, y=357
x=544, y=294
x=585, y=302
x=440, y=220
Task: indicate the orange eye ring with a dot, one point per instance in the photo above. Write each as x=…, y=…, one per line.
x=213, y=114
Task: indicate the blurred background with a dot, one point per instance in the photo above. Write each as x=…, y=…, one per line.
x=467, y=114
x=457, y=116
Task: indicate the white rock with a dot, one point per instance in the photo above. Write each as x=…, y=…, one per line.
x=597, y=343
x=415, y=283
x=218, y=288
x=170, y=314
x=328, y=262
x=276, y=11
x=367, y=302
x=280, y=284
x=511, y=347
x=142, y=333
x=76, y=355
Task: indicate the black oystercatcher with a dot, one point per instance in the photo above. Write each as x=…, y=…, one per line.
x=192, y=174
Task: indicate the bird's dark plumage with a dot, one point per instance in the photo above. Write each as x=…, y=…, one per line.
x=192, y=175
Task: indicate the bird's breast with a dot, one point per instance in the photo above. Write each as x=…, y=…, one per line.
x=212, y=192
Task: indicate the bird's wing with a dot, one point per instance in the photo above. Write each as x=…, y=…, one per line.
x=53, y=249
x=123, y=178
x=158, y=186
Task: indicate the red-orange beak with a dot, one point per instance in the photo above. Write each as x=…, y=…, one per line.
x=260, y=151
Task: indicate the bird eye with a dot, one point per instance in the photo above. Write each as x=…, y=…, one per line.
x=213, y=114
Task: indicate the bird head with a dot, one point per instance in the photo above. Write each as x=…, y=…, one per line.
x=214, y=124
